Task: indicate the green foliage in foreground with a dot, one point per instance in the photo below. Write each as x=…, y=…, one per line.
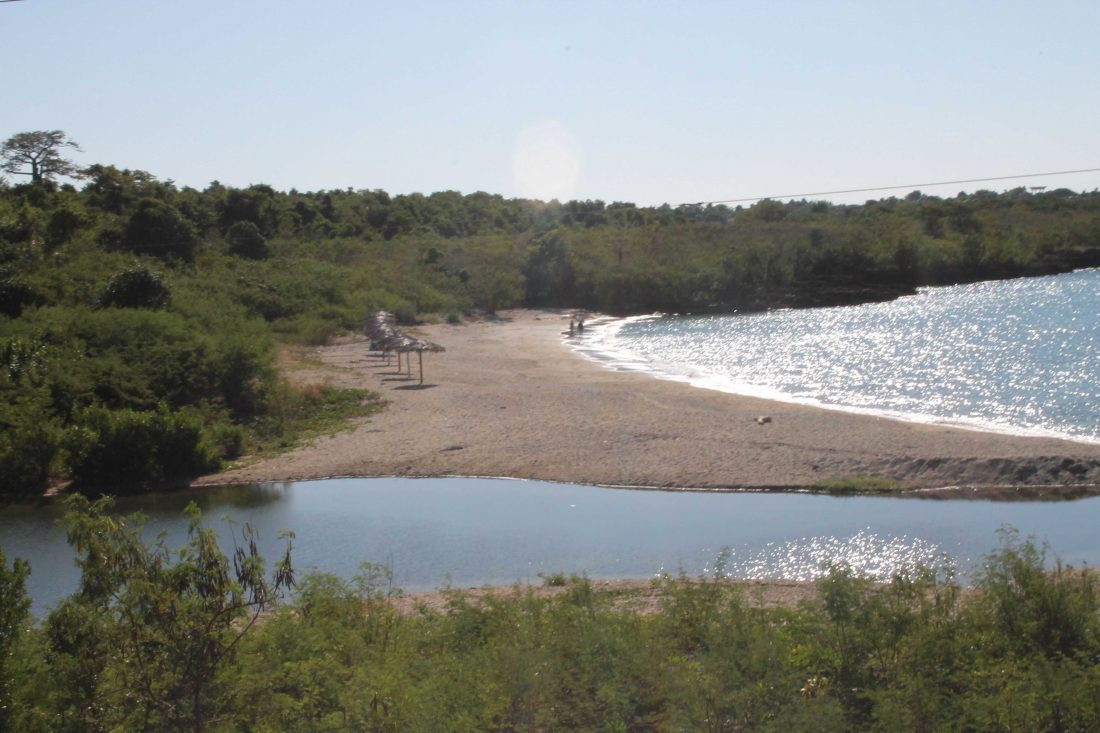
x=173, y=641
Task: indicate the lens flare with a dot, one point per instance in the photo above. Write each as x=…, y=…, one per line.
x=546, y=164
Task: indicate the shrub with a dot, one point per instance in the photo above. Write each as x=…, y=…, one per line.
x=28, y=443
x=15, y=296
x=157, y=229
x=227, y=440
x=291, y=413
x=1030, y=609
x=14, y=606
x=308, y=330
x=138, y=287
x=243, y=370
x=147, y=641
x=245, y=240
x=134, y=357
x=128, y=448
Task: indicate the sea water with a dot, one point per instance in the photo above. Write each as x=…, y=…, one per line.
x=1019, y=356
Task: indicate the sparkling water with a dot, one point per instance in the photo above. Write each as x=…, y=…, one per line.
x=469, y=532
x=1020, y=356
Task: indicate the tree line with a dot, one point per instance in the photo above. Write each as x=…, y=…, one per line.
x=138, y=318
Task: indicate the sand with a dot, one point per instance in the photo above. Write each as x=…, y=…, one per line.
x=642, y=597
x=508, y=399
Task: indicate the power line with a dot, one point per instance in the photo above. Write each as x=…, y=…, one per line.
x=890, y=188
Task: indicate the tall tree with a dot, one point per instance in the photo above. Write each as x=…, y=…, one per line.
x=37, y=154
x=14, y=605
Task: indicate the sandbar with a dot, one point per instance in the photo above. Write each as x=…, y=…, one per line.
x=508, y=399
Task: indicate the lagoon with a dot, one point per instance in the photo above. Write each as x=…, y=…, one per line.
x=471, y=532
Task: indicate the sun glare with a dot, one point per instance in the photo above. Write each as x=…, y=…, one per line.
x=547, y=162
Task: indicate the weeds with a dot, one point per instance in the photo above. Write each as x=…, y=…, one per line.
x=860, y=484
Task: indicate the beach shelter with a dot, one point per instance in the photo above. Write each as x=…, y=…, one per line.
x=398, y=343
x=381, y=328
x=420, y=347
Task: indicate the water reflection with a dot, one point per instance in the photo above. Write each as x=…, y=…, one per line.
x=212, y=498
x=866, y=553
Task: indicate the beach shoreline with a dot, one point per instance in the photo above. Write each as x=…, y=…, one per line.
x=718, y=384
x=508, y=399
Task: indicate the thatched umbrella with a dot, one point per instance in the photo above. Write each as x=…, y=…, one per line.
x=379, y=327
x=420, y=346
x=399, y=343
x=385, y=342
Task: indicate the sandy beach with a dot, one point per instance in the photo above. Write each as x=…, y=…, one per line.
x=508, y=399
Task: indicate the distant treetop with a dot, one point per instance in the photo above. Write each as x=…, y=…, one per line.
x=36, y=154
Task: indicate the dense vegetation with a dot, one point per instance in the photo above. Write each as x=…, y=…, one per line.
x=163, y=640
x=138, y=319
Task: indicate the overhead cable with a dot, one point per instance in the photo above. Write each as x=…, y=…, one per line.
x=890, y=188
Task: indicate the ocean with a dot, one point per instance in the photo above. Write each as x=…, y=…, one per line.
x=1019, y=356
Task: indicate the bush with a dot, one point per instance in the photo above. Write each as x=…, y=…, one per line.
x=291, y=413
x=308, y=330
x=28, y=443
x=138, y=287
x=157, y=229
x=245, y=240
x=227, y=440
x=15, y=296
x=1030, y=609
x=14, y=606
x=126, y=448
x=134, y=358
x=243, y=370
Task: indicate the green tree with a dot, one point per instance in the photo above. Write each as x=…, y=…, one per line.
x=29, y=438
x=167, y=622
x=14, y=605
x=28, y=431
x=37, y=154
x=138, y=287
x=245, y=240
x=112, y=190
x=157, y=229
x=254, y=204
x=15, y=295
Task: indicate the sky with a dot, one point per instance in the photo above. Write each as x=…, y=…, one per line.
x=649, y=102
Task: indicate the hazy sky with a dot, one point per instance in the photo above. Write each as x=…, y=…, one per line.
x=649, y=102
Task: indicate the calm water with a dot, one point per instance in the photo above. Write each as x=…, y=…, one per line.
x=471, y=532
x=1014, y=355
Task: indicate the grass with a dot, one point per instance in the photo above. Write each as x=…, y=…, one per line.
x=298, y=414
x=860, y=484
